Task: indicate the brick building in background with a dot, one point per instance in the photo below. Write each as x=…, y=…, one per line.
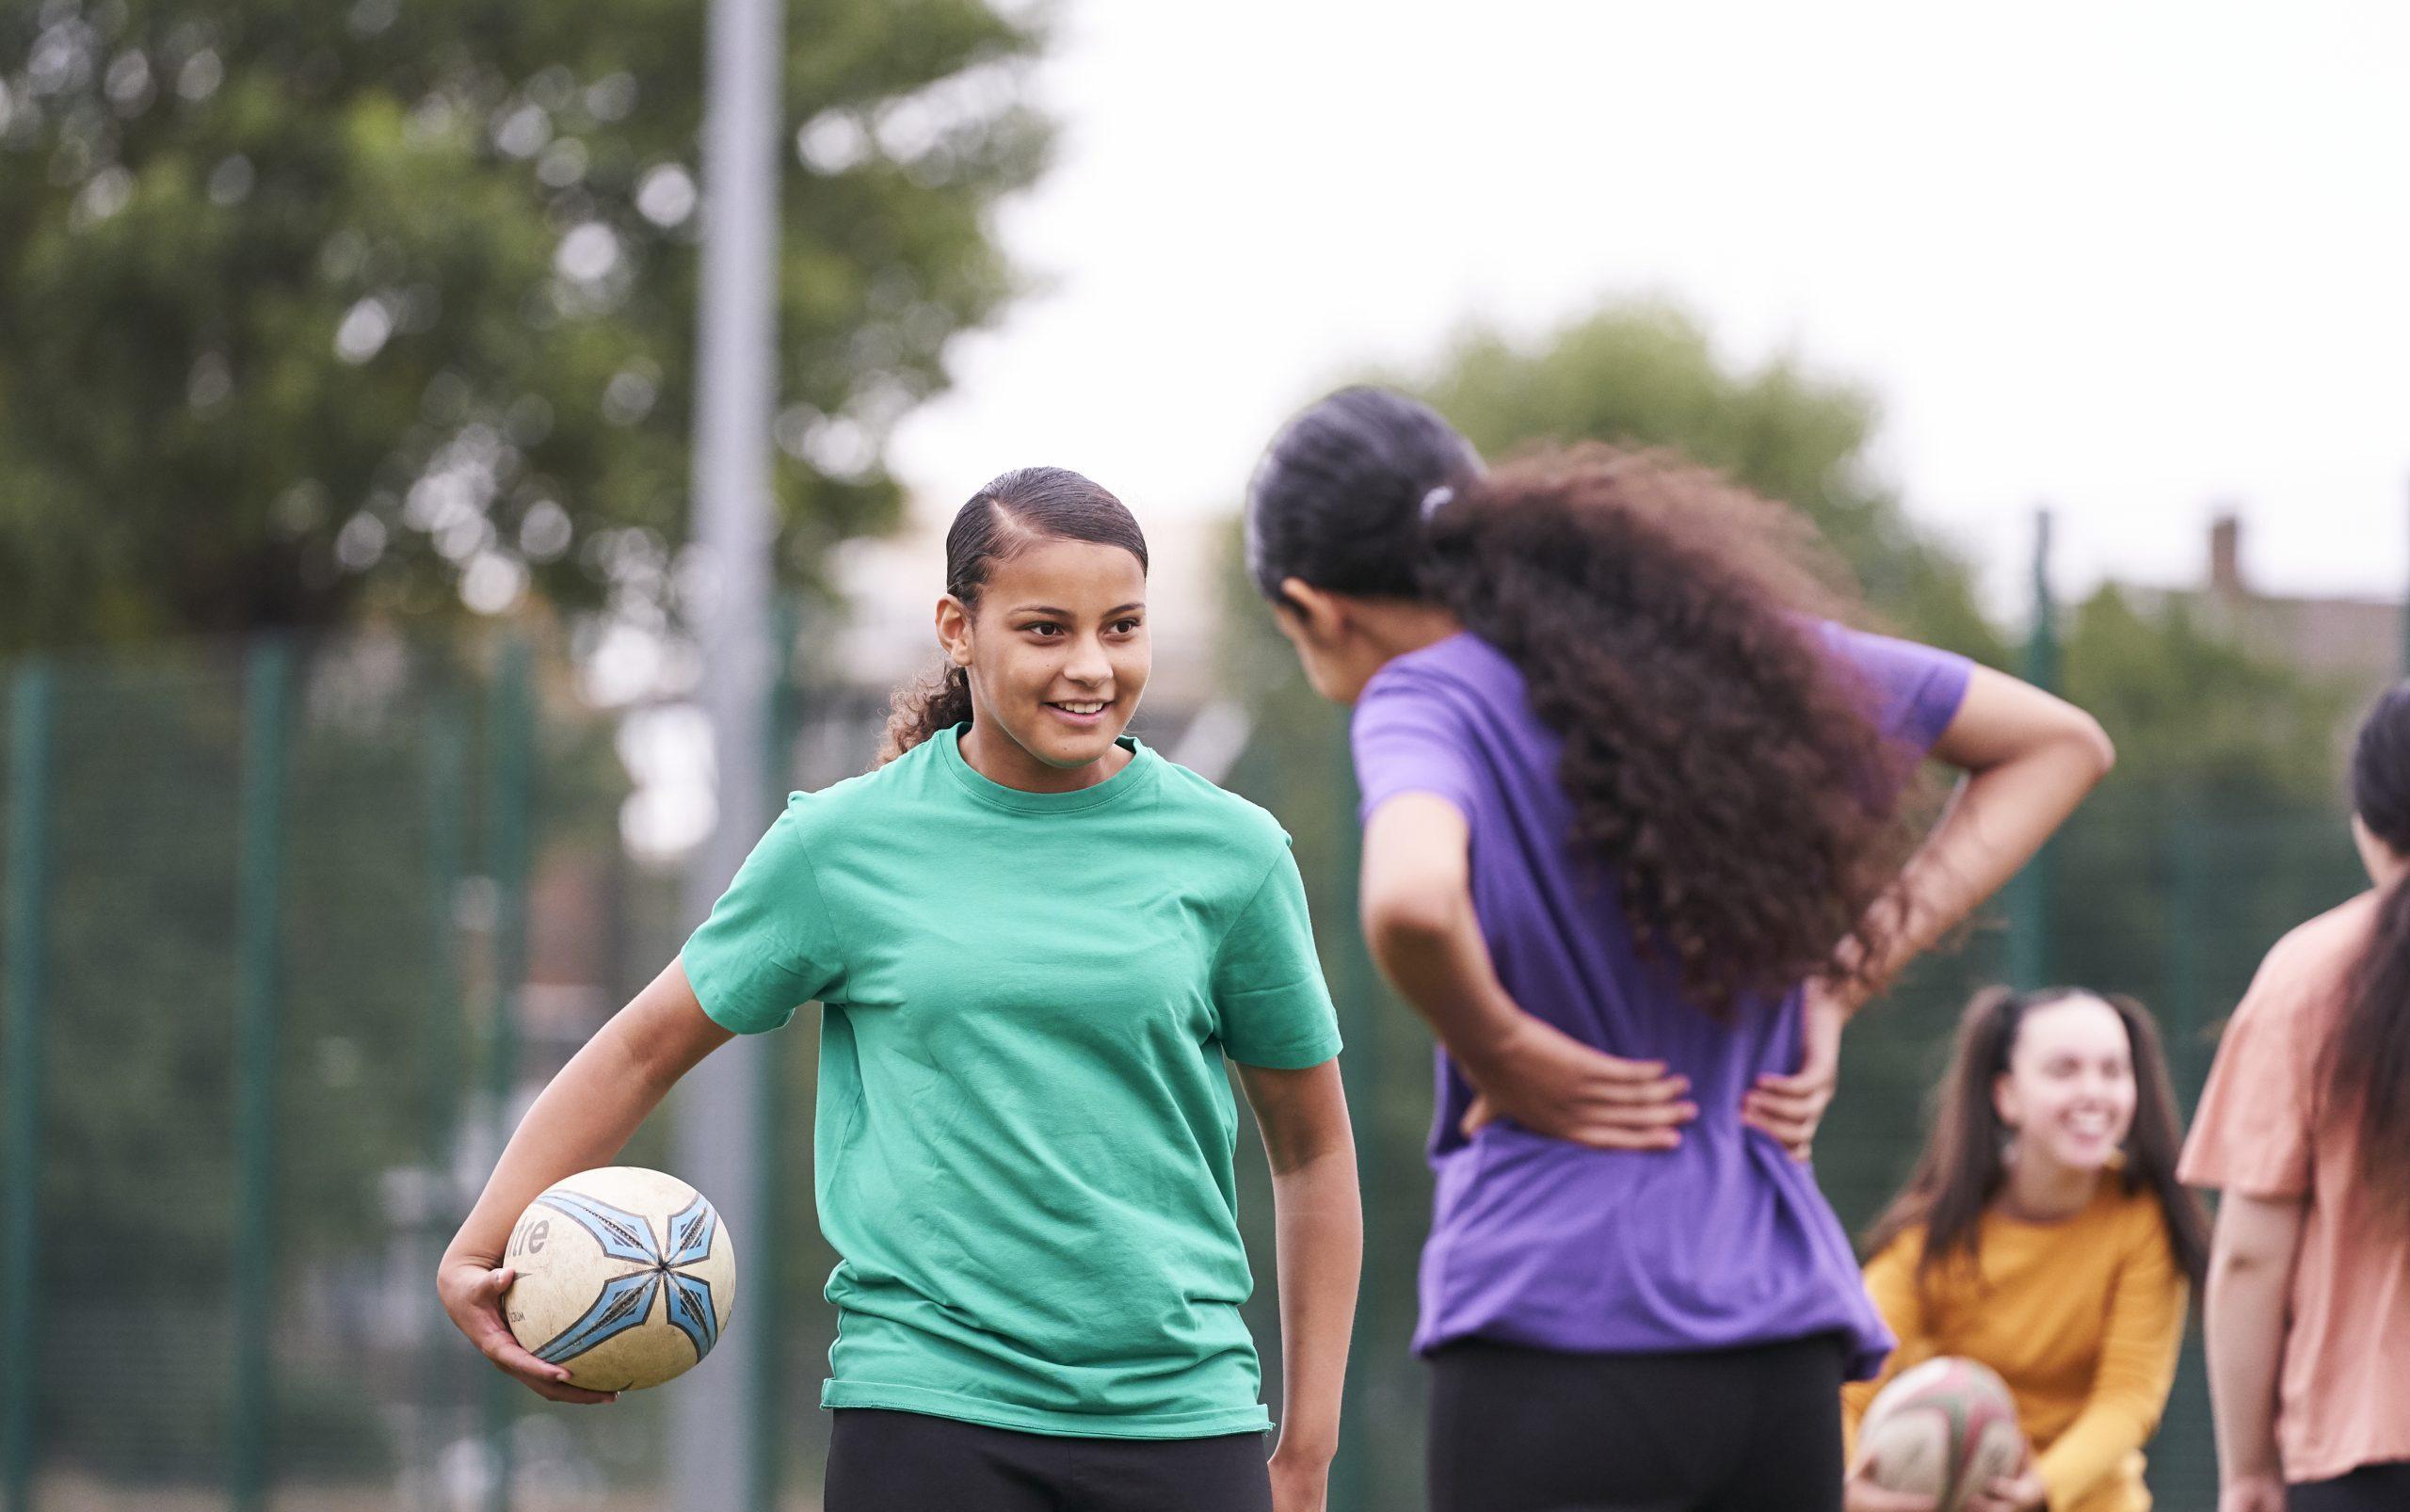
x=2354, y=642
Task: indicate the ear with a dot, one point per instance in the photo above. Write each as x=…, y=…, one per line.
x=954, y=630
x=1320, y=616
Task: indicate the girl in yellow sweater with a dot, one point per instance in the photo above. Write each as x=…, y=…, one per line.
x=2044, y=1233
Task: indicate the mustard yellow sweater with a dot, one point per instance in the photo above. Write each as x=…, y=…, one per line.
x=2083, y=1318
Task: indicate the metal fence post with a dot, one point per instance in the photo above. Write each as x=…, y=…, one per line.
x=32, y=700
x=2032, y=893
x=447, y=764
x=267, y=675
x=510, y=737
x=764, y=1394
x=1356, y=987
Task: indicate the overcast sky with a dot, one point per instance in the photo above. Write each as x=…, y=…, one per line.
x=2128, y=259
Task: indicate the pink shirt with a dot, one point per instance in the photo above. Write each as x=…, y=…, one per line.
x=2344, y=1393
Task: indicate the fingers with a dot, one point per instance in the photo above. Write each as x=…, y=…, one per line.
x=556, y=1391
x=492, y=1334
x=1796, y=1137
x=1807, y=1104
x=1798, y=1084
x=1865, y=1496
x=1619, y=1137
x=1616, y=1068
x=1617, y=1092
x=1478, y=1116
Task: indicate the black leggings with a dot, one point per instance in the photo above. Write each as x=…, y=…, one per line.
x=1725, y=1430
x=2369, y=1489
x=881, y=1461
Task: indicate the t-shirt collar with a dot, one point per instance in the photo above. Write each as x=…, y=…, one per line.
x=1017, y=800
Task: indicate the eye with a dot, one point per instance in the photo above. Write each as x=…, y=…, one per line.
x=1044, y=629
x=1127, y=627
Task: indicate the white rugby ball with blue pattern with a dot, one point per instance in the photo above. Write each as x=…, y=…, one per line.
x=624, y=1276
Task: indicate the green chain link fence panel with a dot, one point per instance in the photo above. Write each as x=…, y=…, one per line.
x=391, y=928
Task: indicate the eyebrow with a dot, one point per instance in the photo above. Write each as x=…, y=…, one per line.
x=1047, y=608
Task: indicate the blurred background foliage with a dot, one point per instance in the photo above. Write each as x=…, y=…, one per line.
x=318, y=308
x=367, y=324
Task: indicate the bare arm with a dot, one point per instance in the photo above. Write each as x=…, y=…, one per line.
x=2250, y=1272
x=1320, y=1220
x=579, y=1121
x=1420, y=923
x=2029, y=757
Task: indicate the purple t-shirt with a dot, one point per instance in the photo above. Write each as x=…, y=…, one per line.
x=1723, y=1242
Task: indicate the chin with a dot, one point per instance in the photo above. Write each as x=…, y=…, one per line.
x=1068, y=755
x=2087, y=1160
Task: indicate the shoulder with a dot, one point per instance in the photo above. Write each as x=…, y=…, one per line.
x=1248, y=828
x=2331, y=939
x=857, y=804
x=2303, y=970
x=1461, y=665
x=1902, y=1250
x=1889, y=666
x=2133, y=1210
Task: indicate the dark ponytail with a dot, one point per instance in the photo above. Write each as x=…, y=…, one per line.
x=1714, y=754
x=2368, y=1061
x=1964, y=1162
x=1011, y=514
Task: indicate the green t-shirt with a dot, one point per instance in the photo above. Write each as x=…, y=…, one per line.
x=1025, y=1130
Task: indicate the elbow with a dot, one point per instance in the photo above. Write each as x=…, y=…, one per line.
x=2242, y=1264
x=2090, y=745
x=2097, y=748
x=1407, y=918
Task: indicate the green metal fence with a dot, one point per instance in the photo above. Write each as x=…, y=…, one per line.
x=290, y=932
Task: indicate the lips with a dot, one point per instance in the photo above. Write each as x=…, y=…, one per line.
x=1081, y=711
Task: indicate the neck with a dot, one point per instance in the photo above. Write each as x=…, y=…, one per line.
x=1002, y=761
x=1396, y=627
x=2040, y=1190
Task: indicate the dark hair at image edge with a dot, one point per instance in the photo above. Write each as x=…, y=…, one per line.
x=2367, y=1069
x=1014, y=512
x=1964, y=1163
x=1714, y=755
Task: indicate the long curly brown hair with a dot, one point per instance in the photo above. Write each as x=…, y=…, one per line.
x=1715, y=754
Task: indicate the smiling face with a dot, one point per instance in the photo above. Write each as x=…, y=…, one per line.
x=2068, y=1092
x=1058, y=655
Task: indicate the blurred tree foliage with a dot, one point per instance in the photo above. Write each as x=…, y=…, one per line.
x=1645, y=374
x=317, y=307
x=2197, y=714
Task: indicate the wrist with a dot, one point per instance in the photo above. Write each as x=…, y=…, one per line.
x=1486, y=1035
x=1306, y=1452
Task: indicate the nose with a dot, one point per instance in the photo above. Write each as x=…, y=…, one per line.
x=1088, y=664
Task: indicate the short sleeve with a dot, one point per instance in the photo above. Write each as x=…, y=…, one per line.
x=1408, y=738
x=1915, y=690
x=1267, y=982
x=2256, y=1127
x=768, y=945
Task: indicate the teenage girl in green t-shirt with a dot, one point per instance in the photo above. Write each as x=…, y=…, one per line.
x=1035, y=942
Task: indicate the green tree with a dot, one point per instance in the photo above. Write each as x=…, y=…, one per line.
x=2196, y=713
x=312, y=310
x=1645, y=372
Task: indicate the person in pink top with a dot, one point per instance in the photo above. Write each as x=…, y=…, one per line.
x=2305, y=1127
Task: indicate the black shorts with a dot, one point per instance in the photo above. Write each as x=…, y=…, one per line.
x=1725, y=1430
x=881, y=1461
x=2370, y=1489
